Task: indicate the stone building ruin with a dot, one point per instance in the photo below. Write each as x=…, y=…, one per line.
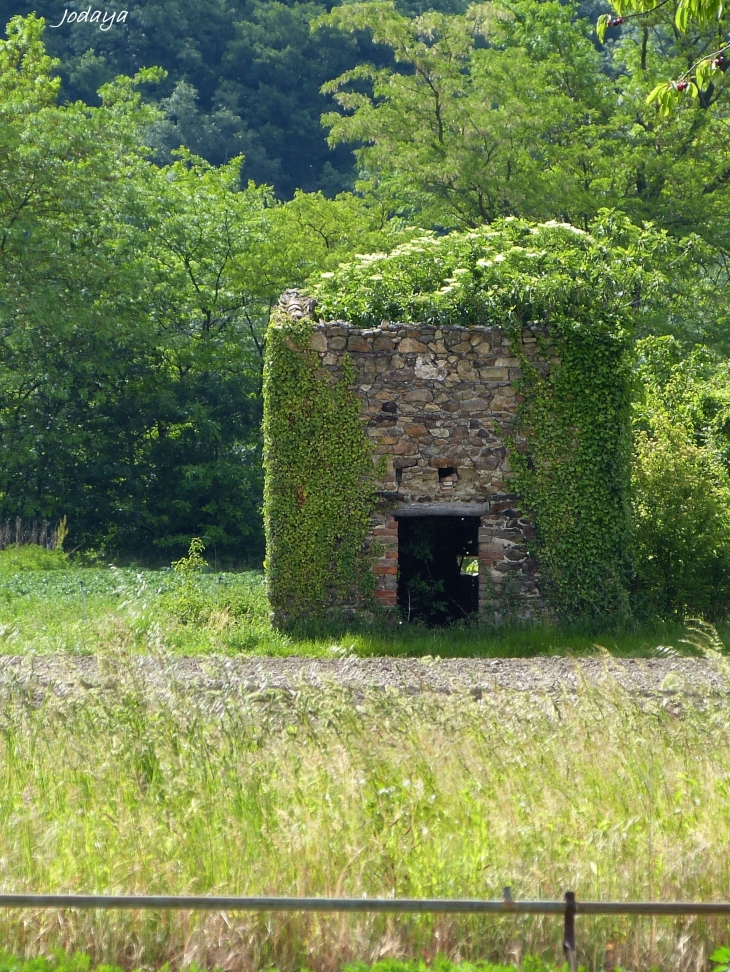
x=438, y=406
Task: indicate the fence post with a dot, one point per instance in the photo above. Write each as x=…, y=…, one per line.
x=569, y=930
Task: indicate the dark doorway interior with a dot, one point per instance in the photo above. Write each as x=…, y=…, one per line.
x=438, y=581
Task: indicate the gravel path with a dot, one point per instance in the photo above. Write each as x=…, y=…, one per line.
x=68, y=675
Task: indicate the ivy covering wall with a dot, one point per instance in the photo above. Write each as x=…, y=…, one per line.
x=573, y=477
x=572, y=472
x=319, y=488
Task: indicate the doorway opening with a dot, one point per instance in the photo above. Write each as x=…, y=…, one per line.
x=437, y=580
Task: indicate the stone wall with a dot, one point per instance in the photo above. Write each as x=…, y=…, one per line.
x=438, y=405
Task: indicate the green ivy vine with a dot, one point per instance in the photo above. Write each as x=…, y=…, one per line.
x=573, y=472
x=320, y=485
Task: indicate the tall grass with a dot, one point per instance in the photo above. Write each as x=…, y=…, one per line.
x=139, y=789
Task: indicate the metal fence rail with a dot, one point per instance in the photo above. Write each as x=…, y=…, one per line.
x=507, y=906
x=372, y=905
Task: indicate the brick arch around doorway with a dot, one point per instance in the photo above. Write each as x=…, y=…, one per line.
x=472, y=558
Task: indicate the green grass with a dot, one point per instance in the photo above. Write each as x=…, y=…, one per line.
x=320, y=794
x=47, y=605
x=78, y=962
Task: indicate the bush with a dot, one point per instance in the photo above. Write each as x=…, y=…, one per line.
x=31, y=556
x=191, y=601
x=681, y=501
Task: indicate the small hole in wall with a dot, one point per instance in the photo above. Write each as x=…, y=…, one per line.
x=398, y=475
x=448, y=477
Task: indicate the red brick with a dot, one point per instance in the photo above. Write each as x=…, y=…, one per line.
x=387, y=598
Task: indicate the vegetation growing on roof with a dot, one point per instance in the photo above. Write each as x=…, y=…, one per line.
x=511, y=273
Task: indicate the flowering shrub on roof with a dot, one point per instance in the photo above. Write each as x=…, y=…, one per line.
x=510, y=273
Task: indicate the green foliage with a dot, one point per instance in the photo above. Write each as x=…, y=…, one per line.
x=91, y=610
x=208, y=266
x=135, y=301
x=32, y=557
x=78, y=962
x=225, y=607
x=721, y=956
x=686, y=390
x=131, y=324
x=512, y=273
x=701, y=76
x=320, y=232
x=681, y=481
x=95, y=610
x=195, y=562
x=186, y=601
x=574, y=475
x=242, y=78
x=510, y=109
x=60, y=962
x=319, y=489
x=681, y=527
x=496, y=112
x=701, y=11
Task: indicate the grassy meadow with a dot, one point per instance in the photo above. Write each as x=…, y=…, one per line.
x=49, y=605
x=132, y=790
x=318, y=793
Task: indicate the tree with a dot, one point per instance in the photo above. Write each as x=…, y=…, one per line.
x=217, y=136
x=70, y=340
x=134, y=304
x=242, y=77
x=510, y=110
x=208, y=268
x=321, y=232
x=502, y=111
x=698, y=29
x=681, y=482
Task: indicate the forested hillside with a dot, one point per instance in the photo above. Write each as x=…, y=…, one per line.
x=137, y=278
x=243, y=77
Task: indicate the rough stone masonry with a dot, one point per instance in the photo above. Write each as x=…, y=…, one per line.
x=439, y=404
